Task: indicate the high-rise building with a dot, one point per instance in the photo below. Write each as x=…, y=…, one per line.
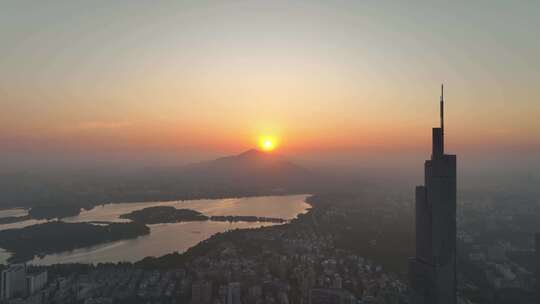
x=222, y=294
x=537, y=245
x=537, y=263
x=330, y=296
x=338, y=282
x=13, y=281
x=201, y=292
x=234, y=292
x=433, y=270
x=36, y=281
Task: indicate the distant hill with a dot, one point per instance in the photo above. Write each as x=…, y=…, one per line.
x=249, y=168
x=250, y=173
x=252, y=164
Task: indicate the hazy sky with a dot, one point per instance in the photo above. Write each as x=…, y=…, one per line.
x=323, y=76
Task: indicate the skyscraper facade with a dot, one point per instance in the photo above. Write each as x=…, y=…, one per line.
x=13, y=281
x=537, y=264
x=35, y=281
x=234, y=293
x=433, y=270
x=201, y=292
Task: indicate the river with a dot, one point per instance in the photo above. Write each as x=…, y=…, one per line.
x=171, y=237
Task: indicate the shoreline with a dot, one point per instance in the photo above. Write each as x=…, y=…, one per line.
x=224, y=219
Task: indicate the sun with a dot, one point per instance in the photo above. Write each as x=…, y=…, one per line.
x=267, y=143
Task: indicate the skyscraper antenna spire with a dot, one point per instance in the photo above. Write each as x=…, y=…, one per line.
x=442, y=108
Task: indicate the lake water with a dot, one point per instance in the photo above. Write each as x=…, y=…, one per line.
x=168, y=238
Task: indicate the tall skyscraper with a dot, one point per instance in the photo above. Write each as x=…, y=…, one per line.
x=433, y=271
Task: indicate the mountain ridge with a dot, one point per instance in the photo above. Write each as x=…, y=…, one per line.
x=257, y=164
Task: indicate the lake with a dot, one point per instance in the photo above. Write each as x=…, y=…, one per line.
x=170, y=237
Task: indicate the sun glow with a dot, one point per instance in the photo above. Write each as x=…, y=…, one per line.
x=267, y=143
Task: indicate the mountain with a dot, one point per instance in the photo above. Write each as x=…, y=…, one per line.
x=252, y=168
x=252, y=173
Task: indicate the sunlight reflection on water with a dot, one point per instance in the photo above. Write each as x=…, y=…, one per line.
x=171, y=237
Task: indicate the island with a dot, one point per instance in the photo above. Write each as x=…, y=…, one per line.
x=57, y=236
x=168, y=214
x=164, y=214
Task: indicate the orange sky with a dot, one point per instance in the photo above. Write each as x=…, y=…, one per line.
x=215, y=76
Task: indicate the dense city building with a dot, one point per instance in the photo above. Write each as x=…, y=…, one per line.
x=433, y=269
x=294, y=263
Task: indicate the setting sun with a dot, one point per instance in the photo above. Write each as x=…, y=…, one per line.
x=267, y=143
